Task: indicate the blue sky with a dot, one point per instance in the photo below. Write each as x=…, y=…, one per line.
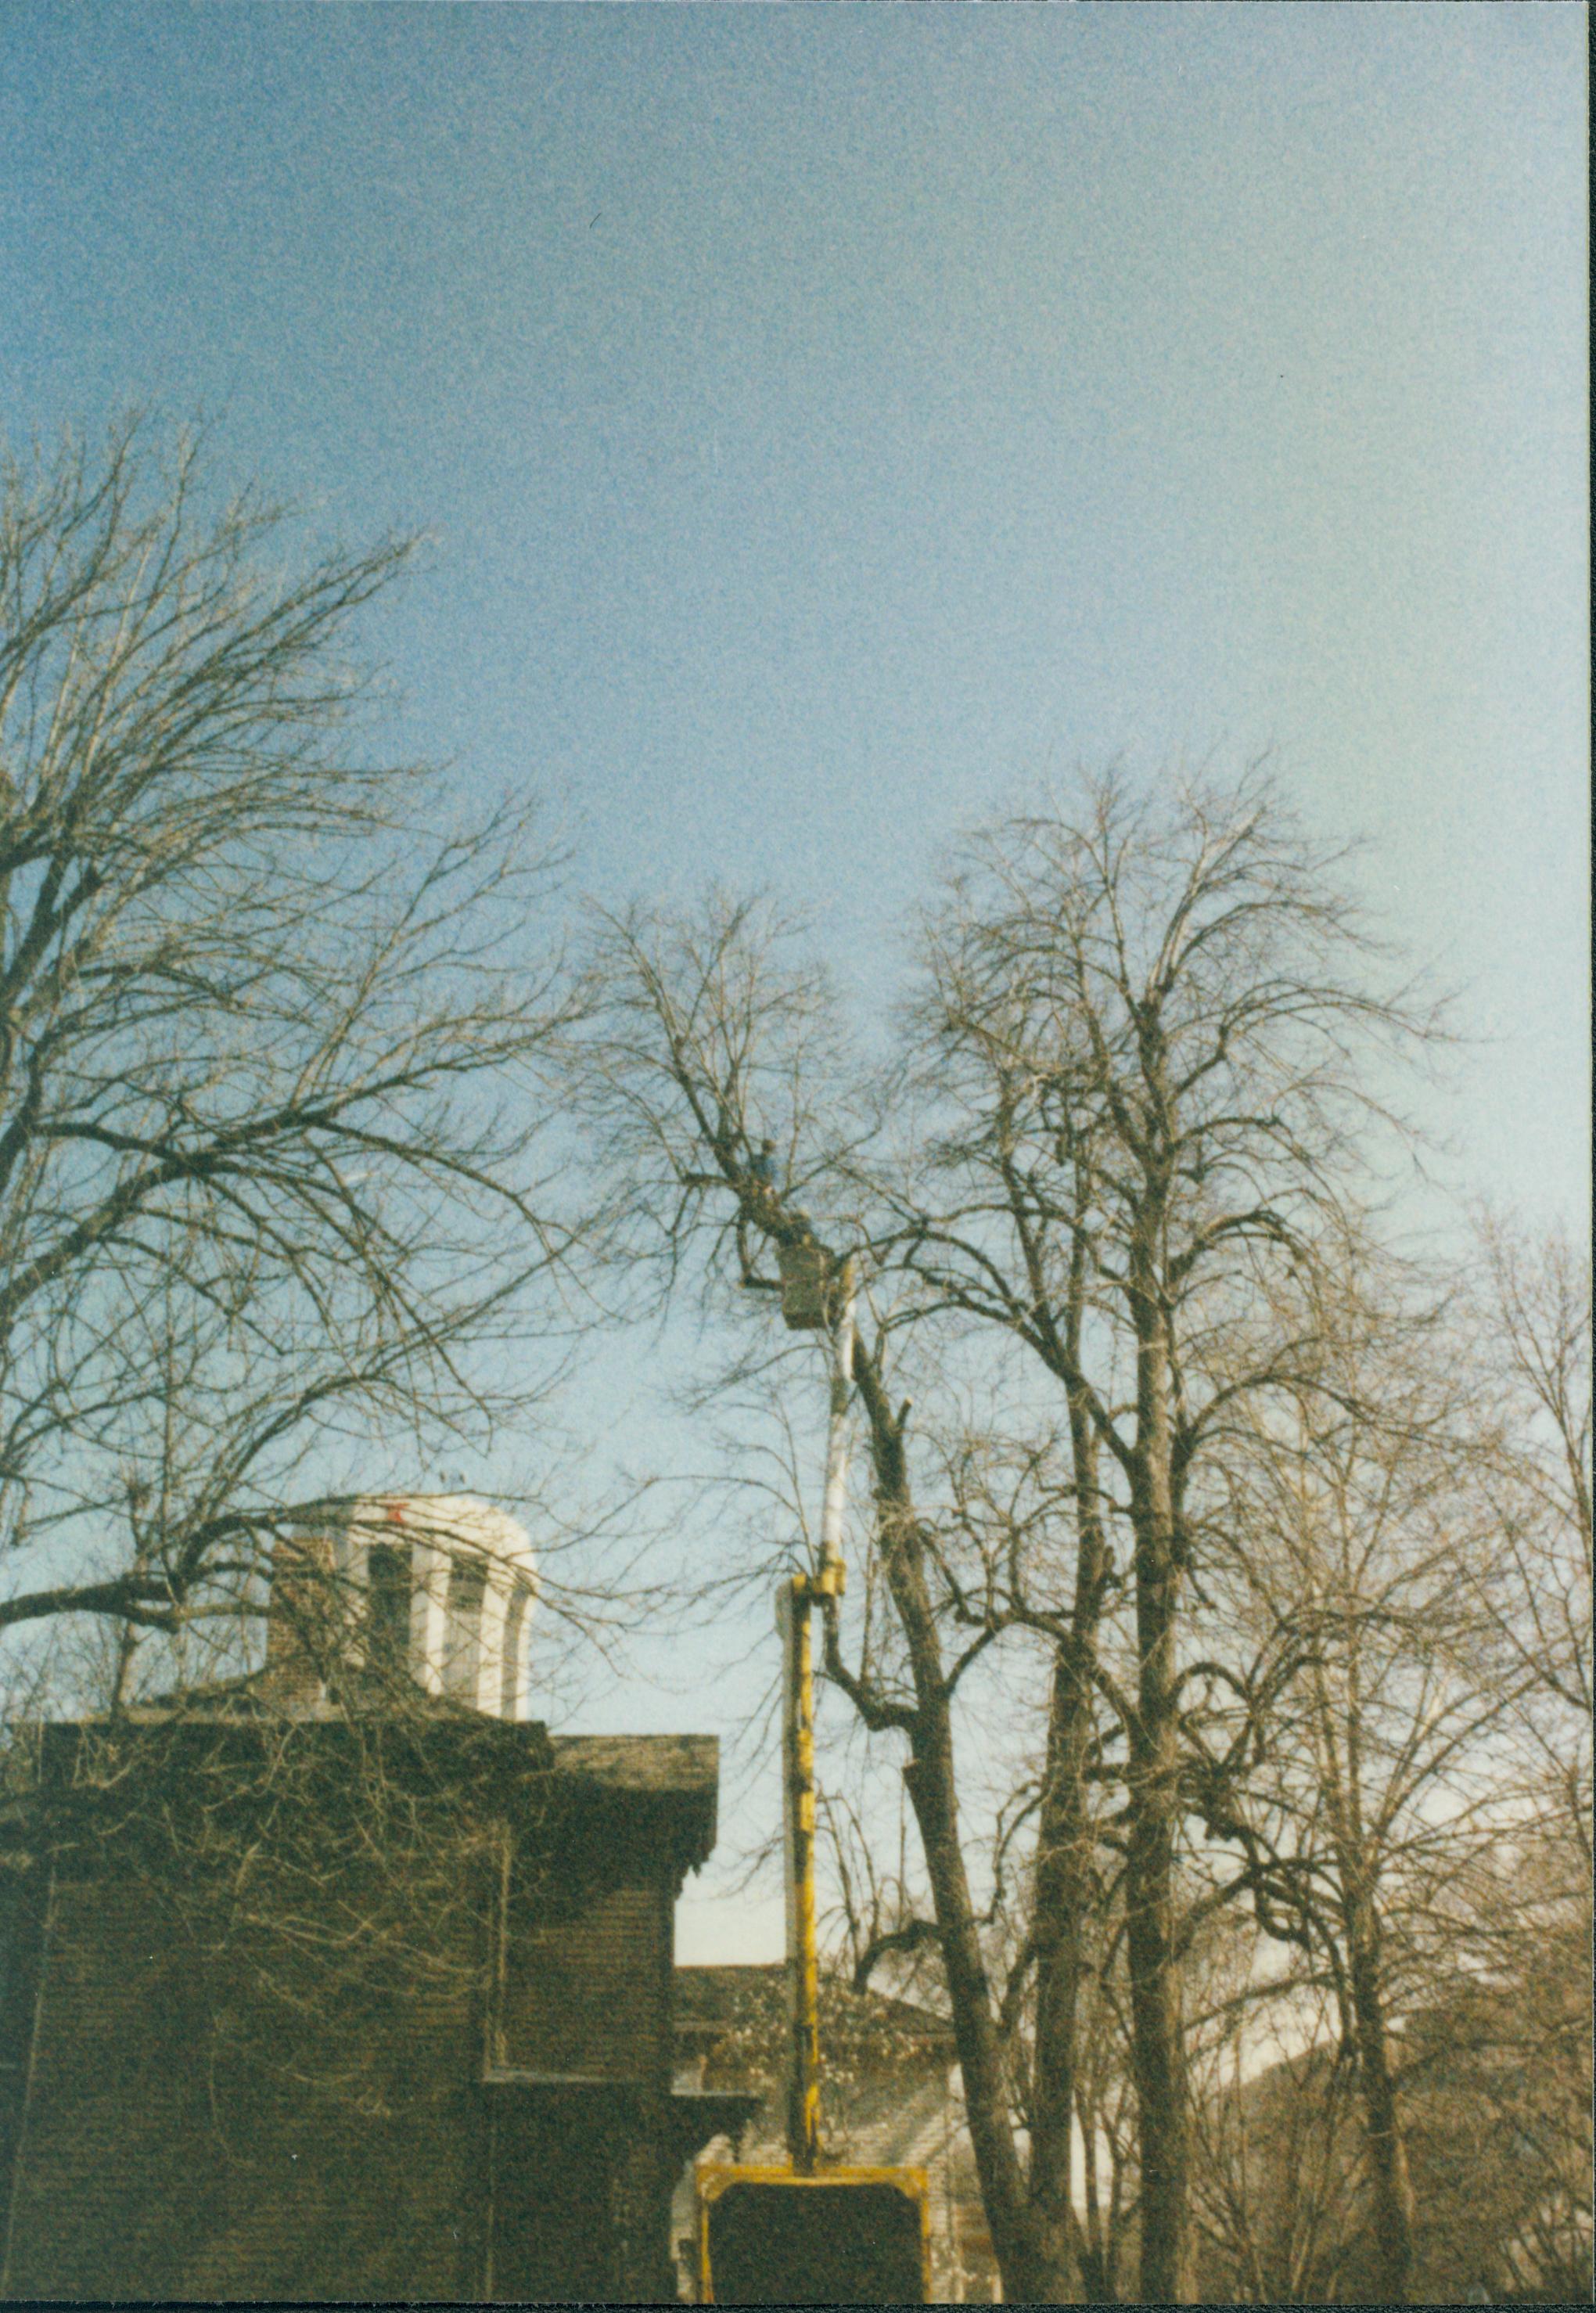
x=829, y=418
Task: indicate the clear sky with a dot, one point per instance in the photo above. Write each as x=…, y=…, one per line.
x=828, y=417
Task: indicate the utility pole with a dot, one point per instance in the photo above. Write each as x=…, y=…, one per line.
x=796, y=1601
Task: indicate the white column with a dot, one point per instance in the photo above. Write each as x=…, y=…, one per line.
x=490, y=1652
x=429, y=1592
x=513, y=1690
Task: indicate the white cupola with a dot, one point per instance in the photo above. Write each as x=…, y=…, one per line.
x=437, y=1586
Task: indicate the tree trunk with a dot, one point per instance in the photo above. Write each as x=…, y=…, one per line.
x=1063, y=1889
x=1152, y=1943
x=1341, y=1779
x=1388, y=2182
x=1027, y=2261
x=1062, y=1894
x=1158, y=2052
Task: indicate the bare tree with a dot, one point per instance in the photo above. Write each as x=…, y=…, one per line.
x=1160, y=1031
x=1364, y=1528
x=1527, y=2029
x=272, y=1052
x=1275, y=2170
x=1530, y=1320
x=1138, y=1071
x=1432, y=1897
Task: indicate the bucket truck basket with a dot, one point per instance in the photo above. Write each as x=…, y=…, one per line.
x=839, y=2236
x=806, y=1276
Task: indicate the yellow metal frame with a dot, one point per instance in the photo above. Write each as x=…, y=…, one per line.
x=794, y=1603
x=711, y=2178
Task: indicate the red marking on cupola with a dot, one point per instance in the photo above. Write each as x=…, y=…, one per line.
x=394, y=1513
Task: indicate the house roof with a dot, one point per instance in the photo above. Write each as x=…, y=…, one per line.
x=685, y=1764
x=653, y=1762
x=670, y=1780
x=678, y=1774
x=710, y=2000
x=250, y=1697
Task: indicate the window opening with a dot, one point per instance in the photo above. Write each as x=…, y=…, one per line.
x=388, y=1608
x=462, y=1639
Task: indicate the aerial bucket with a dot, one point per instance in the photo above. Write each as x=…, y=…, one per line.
x=806, y=1274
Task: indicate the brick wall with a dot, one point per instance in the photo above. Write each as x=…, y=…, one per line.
x=162, y=2158
x=242, y=2114
x=582, y=1989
